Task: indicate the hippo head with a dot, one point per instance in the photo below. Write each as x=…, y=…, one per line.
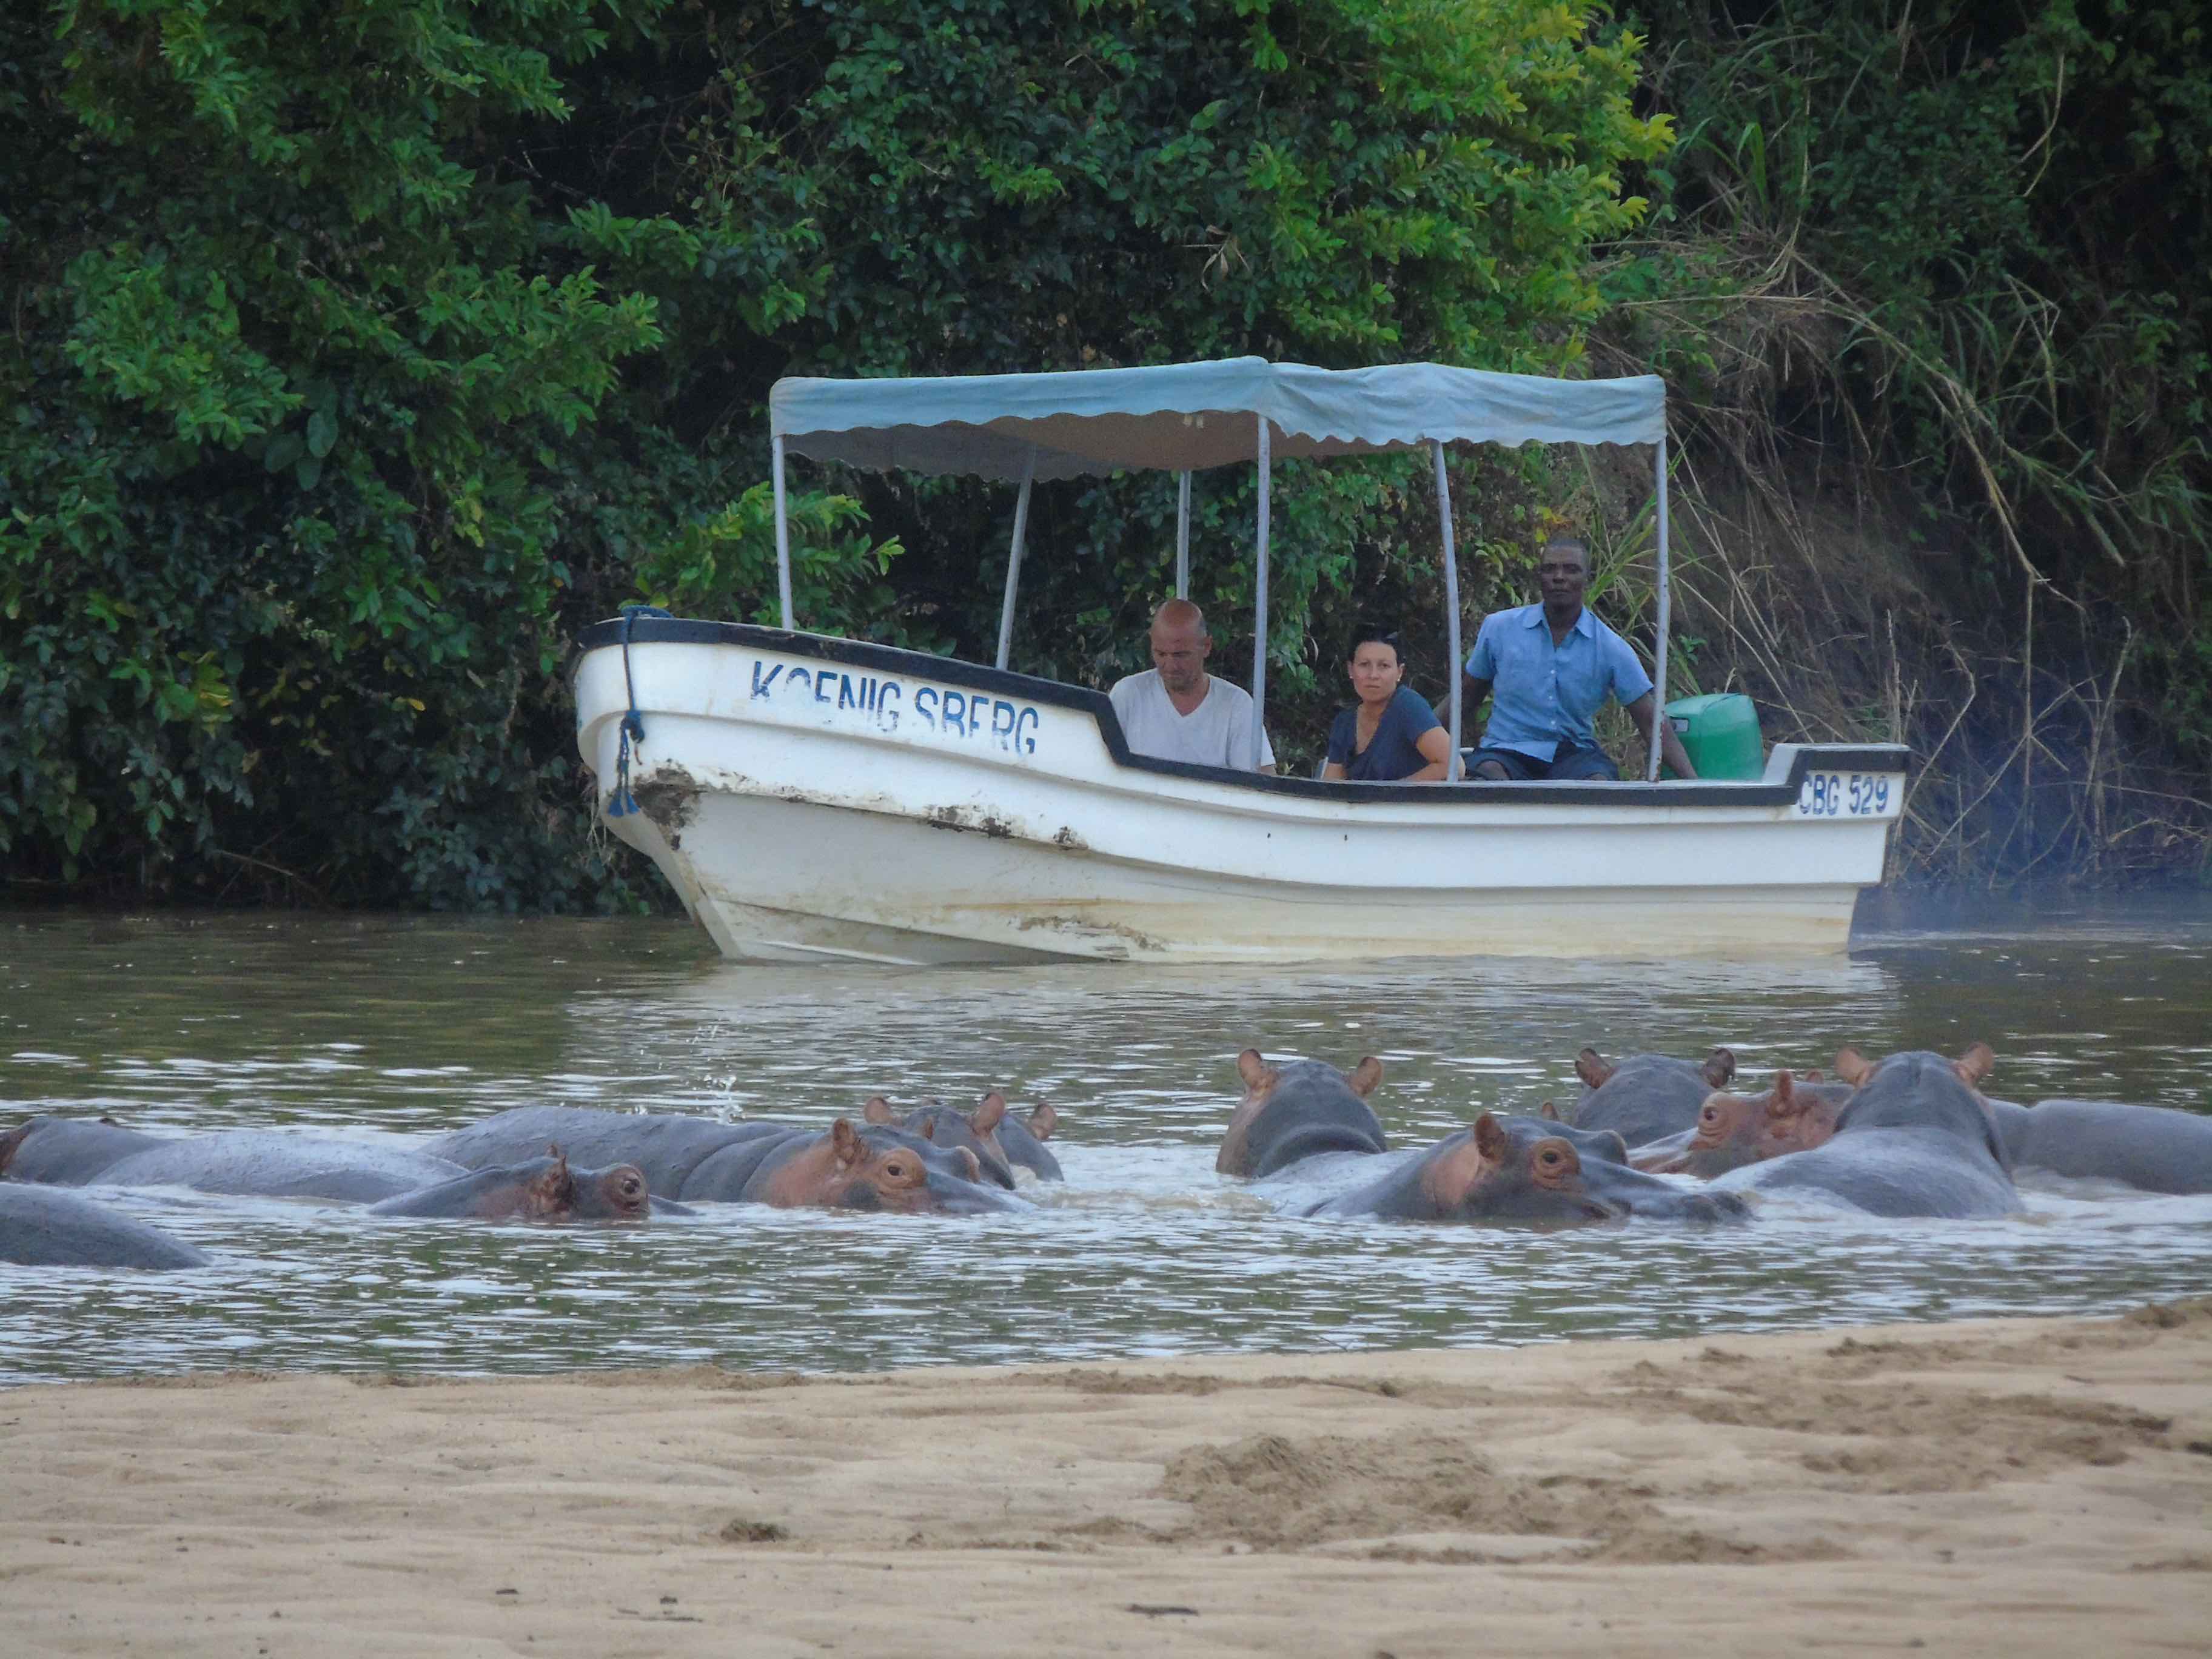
x=881, y=1168
x=1919, y=1088
x=1733, y=1130
x=1281, y=1100
x=948, y=1127
x=1596, y=1071
x=616, y=1194
x=1538, y=1172
x=549, y=1190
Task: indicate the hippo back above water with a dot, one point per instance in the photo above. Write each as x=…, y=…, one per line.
x=258, y=1163
x=2158, y=1149
x=1916, y=1139
x=669, y=1148
x=41, y=1227
x=1525, y=1171
x=1647, y=1097
x=1301, y=1109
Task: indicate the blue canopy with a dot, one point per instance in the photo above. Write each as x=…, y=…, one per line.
x=1182, y=417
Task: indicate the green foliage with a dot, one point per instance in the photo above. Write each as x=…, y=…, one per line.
x=328, y=419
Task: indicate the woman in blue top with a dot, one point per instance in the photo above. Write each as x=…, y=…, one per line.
x=1389, y=736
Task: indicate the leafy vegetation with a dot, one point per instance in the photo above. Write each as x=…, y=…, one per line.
x=1928, y=282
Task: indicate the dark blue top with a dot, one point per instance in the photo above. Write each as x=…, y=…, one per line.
x=1393, y=752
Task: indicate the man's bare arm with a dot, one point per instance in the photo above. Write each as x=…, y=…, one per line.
x=1642, y=711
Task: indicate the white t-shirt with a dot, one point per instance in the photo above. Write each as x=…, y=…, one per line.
x=1217, y=733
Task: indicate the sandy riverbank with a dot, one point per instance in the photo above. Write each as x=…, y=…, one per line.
x=2009, y=1488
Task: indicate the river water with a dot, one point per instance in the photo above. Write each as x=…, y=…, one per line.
x=400, y=1026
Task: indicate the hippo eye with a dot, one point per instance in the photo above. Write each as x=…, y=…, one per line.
x=1552, y=1158
x=1711, y=1113
x=895, y=1170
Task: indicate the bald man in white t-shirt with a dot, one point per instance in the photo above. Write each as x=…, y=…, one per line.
x=1177, y=711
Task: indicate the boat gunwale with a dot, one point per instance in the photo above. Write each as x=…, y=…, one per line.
x=860, y=653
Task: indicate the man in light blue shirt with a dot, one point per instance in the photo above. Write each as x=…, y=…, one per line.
x=1552, y=667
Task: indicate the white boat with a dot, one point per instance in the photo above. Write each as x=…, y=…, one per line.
x=813, y=797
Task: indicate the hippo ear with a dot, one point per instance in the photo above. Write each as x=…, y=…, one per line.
x=877, y=1110
x=1719, y=1067
x=1785, y=1091
x=1813, y=1075
x=551, y=1193
x=1853, y=1066
x=845, y=1141
x=1592, y=1068
x=1042, y=1120
x=1975, y=1064
x=1255, y=1071
x=1549, y=1111
x=1619, y=1146
x=1363, y=1078
x=929, y=1128
x=990, y=1115
x=1490, y=1139
x=970, y=1163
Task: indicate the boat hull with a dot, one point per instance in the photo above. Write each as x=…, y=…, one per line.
x=811, y=798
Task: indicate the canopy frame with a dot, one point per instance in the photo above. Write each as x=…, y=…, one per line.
x=1027, y=426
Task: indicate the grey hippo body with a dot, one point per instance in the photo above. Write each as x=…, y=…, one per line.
x=1646, y=1098
x=43, y=1227
x=1526, y=1171
x=262, y=1162
x=703, y=1160
x=2158, y=1149
x=540, y=1189
x=1916, y=1139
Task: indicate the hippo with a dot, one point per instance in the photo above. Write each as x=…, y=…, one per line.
x=67, y=1151
x=541, y=1189
x=873, y=1167
x=949, y=1126
x=2160, y=1149
x=700, y=1159
x=1298, y=1109
x=1733, y=1130
x=1526, y=1171
x=259, y=1162
x=1023, y=1140
x=1916, y=1139
x=668, y=1147
x=40, y=1227
x=1646, y=1098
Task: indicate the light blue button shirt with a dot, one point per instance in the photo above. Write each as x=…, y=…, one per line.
x=1542, y=695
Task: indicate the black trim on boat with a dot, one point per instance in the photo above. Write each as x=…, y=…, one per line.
x=921, y=665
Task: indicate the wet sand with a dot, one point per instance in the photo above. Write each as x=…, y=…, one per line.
x=2007, y=1487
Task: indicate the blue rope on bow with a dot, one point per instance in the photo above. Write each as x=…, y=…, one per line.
x=622, y=804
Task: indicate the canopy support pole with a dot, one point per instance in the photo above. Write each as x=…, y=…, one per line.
x=1659, y=651
x=1182, y=536
x=782, y=537
x=1260, y=611
x=1014, y=557
x=1451, y=603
